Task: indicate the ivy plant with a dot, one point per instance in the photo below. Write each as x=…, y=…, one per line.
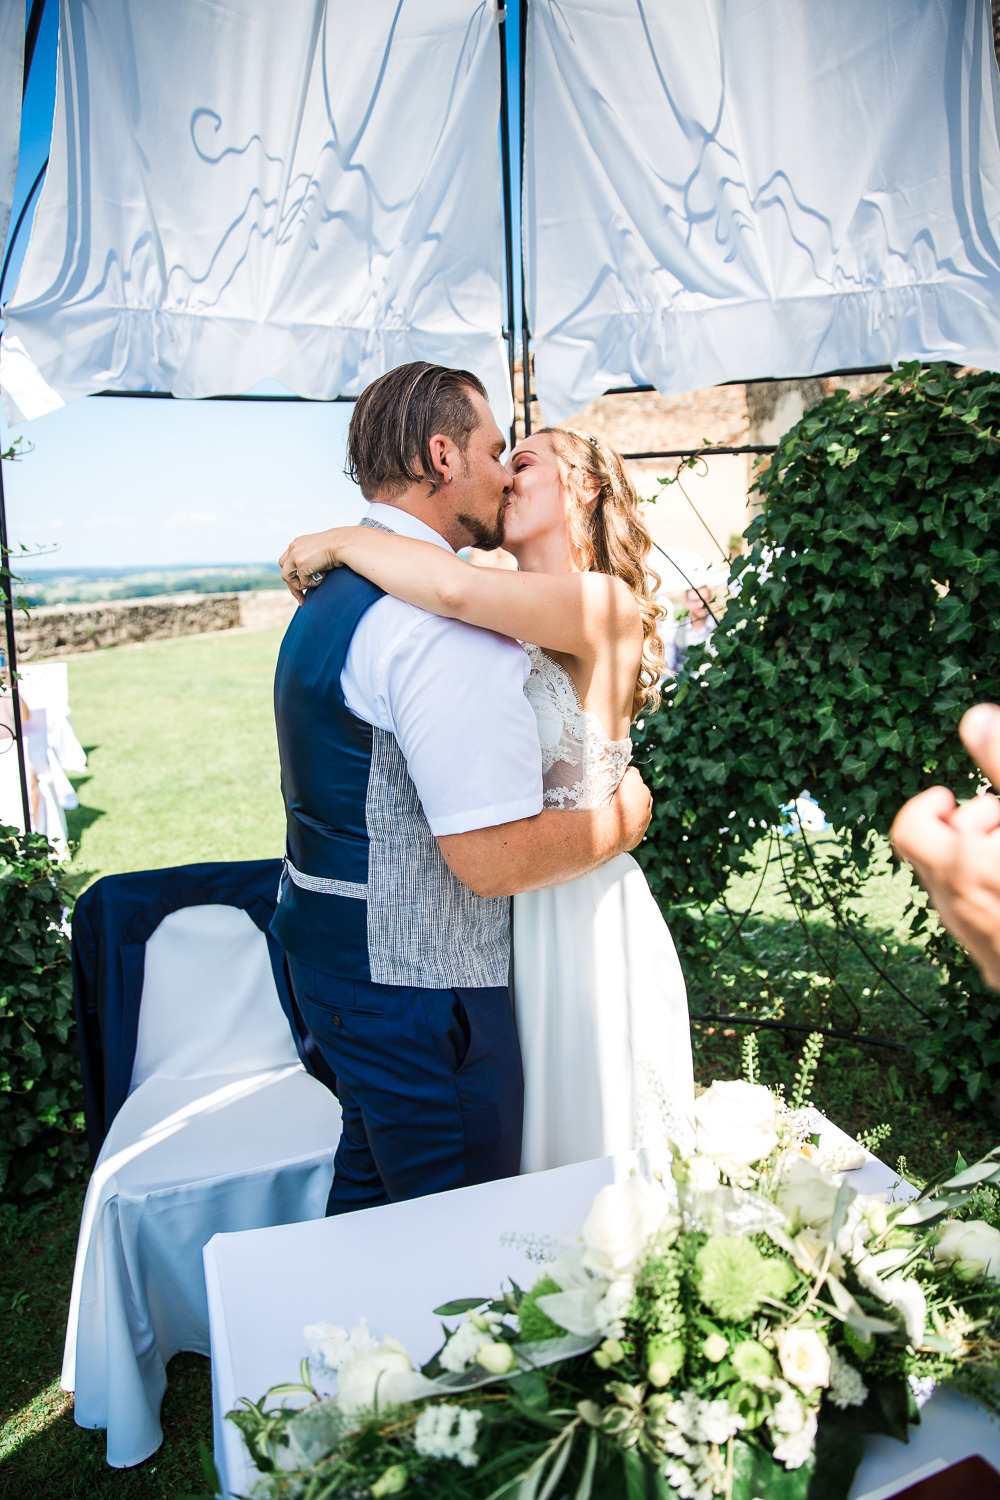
x=866, y=620
x=42, y=1140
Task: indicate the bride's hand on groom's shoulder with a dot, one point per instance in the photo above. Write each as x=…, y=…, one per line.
x=635, y=806
x=305, y=561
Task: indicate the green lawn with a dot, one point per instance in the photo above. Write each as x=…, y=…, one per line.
x=183, y=767
x=183, y=763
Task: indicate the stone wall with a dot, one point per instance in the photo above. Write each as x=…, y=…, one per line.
x=67, y=629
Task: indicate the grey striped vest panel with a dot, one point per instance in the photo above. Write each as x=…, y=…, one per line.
x=366, y=892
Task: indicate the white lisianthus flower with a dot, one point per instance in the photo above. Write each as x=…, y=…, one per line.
x=735, y=1122
x=804, y=1358
x=496, y=1358
x=907, y=1297
x=448, y=1432
x=333, y=1346
x=804, y=1187
x=622, y=1219
x=384, y=1377
x=974, y=1241
x=846, y=1385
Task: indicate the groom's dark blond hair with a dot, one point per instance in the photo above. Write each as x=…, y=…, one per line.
x=388, y=442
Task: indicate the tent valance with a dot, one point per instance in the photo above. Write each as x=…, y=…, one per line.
x=308, y=191
x=724, y=191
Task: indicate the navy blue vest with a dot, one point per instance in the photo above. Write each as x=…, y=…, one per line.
x=367, y=893
x=326, y=754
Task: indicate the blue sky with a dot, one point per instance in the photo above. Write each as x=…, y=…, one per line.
x=164, y=483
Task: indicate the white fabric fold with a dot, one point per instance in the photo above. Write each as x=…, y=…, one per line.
x=307, y=191
x=718, y=191
x=11, y=77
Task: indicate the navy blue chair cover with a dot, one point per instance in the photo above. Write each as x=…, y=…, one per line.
x=112, y=923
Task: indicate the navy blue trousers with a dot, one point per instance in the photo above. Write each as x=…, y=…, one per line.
x=429, y=1082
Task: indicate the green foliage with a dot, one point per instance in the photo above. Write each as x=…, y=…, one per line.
x=868, y=620
x=41, y=1099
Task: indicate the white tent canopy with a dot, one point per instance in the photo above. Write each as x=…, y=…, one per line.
x=728, y=189
x=308, y=191
x=11, y=70
x=714, y=190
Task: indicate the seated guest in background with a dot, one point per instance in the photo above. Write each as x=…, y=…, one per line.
x=697, y=629
x=955, y=850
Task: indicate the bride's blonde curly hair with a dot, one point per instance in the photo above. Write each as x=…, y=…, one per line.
x=610, y=536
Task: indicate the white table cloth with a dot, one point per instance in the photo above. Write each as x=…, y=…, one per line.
x=394, y=1265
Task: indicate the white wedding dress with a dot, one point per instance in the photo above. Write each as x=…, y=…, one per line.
x=599, y=994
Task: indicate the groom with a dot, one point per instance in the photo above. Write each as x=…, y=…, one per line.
x=411, y=775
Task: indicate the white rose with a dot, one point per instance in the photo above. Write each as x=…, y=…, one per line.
x=974, y=1241
x=804, y=1358
x=806, y=1187
x=622, y=1219
x=736, y=1122
x=385, y=1377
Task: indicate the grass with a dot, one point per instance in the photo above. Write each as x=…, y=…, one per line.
x=182, y=757
x=183, y=767
x=43, y=1454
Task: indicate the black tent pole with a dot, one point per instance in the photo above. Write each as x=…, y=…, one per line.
x=508, y=227
x=30, y=38
x=8, y=609
x=525, y=330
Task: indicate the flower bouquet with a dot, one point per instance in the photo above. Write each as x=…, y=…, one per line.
x=731, y=1324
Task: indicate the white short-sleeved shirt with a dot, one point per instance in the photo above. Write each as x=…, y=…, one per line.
x=453, y=696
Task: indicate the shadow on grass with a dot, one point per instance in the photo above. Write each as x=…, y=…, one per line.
x=43, y=1454
x=79, y=819
x=811, y=972
x=56, y=1460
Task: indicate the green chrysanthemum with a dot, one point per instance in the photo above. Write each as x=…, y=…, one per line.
x=780, y=1278
x=733, y=1277
x=752, y=1362
x=664, y=1357
x=534, y=1323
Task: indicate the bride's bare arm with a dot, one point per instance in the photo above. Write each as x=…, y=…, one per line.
x=575, y=613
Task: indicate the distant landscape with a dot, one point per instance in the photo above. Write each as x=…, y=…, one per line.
x=90, y=585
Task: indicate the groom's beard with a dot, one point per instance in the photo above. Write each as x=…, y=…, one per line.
x=485, y=538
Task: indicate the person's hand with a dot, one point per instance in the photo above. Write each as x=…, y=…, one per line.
x=306, y=561
x=955, y=851
x=635, y=807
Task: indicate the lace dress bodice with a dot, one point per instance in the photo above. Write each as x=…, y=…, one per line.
x=581, y=767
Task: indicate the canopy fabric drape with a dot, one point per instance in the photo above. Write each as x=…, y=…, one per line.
x=730, y=189
x=11, y=72
x=308, y=191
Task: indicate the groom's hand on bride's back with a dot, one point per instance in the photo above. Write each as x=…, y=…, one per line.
x=552, y=847
x=634, y=805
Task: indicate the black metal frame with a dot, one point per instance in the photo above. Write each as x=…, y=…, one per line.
x=30, y=39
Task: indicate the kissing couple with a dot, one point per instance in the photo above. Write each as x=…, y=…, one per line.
x=453, y=736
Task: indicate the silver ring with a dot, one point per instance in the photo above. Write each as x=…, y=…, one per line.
x=316, y=577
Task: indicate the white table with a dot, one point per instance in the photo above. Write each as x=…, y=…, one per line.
x=395, y=1264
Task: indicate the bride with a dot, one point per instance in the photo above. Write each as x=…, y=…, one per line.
x=599, y=996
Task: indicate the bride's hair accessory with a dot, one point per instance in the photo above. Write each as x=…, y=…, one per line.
x=609, y=534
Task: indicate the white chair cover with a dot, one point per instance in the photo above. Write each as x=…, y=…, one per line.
x=48, y=687
x=223, y=1129
x=50, y=818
